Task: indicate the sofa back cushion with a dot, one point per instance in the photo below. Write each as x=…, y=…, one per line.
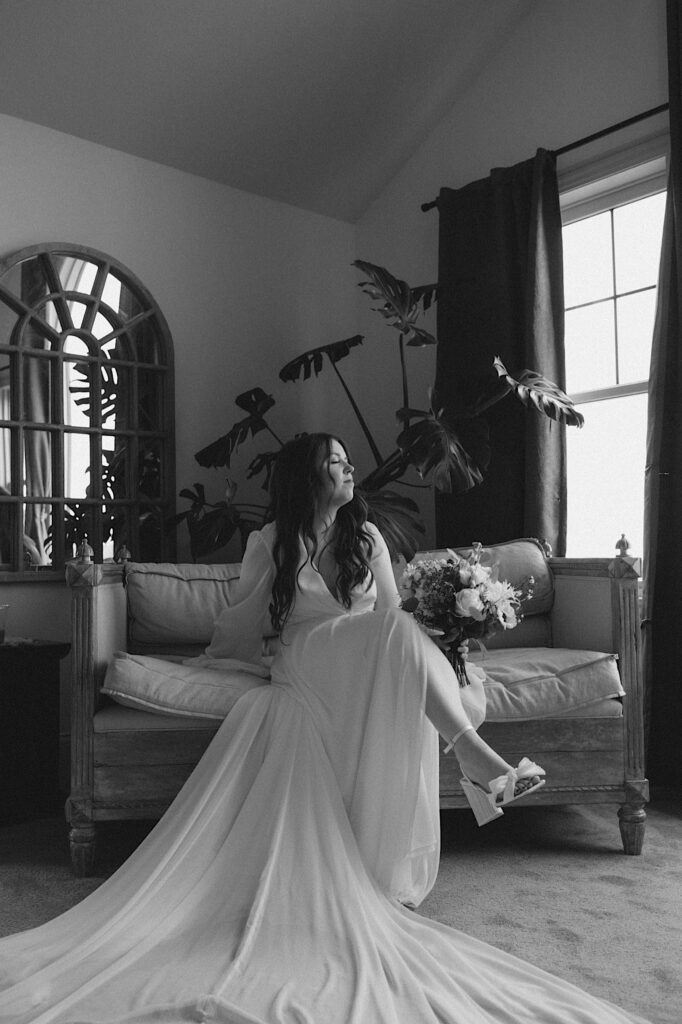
x=517, y=560
x=173, y=608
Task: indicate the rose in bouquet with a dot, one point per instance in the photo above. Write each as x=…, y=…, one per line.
x=458, y=599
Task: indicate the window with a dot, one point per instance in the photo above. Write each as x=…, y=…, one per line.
x=612, y=238
x=86, y=407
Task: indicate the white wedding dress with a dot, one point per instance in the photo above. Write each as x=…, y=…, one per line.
x=271, y=892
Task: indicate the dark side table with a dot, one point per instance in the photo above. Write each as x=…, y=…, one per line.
x=29, y=728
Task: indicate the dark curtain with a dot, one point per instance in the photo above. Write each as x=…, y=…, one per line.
x=663, y=482
x=501, y=279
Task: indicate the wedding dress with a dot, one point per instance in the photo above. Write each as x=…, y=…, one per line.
x=273, y=890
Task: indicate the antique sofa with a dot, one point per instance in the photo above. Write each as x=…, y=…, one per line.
x=554, y=689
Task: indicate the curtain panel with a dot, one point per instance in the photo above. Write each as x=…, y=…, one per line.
x=501, y=294
x=662, y=611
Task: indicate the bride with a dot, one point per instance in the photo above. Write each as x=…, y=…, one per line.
x=279, y=886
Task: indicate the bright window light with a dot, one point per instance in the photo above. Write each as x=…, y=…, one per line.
x=606, y=477
x=611, y=262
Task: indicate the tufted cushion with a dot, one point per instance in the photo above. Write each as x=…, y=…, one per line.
x=172, y=688
x=175, y=605
x=545, y=682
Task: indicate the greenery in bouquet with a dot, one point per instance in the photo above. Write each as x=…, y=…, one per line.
x=445, y=445
x=457, y=599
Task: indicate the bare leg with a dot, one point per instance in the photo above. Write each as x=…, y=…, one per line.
x=444, y=709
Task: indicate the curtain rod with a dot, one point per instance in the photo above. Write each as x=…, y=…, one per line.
x=612, y=128
x=589, y=138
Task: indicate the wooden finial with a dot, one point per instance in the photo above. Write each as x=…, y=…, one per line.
x=622, y=545
x=84, y=551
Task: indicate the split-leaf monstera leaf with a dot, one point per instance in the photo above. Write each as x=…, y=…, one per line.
x=313, y=360
x=401, y=306
x=219, y=453
x=453, y=452
x=535, y=390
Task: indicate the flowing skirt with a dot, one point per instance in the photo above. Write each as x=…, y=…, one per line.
x=272, y=890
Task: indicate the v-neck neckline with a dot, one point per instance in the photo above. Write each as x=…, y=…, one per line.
x=316, y=572
x=323, y=581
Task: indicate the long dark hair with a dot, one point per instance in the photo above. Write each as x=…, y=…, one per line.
x=295, y=487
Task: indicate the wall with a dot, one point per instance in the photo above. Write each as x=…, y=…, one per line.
x=245, y=284
x=568, y=70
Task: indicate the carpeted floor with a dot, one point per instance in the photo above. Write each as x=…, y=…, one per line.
x=548, y=884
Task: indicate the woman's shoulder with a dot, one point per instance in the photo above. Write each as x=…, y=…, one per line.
x=263, y=538
x=267, y=533
x=376, y=537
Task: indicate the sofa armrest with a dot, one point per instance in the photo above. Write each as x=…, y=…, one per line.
x=98, y=628
x=596, y=607
x=595, y=603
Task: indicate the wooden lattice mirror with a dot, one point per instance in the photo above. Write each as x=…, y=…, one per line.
x=86, y=411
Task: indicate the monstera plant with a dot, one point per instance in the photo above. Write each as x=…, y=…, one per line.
x=446, y=444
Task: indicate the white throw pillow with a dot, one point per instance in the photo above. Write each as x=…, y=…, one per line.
x=169, y=687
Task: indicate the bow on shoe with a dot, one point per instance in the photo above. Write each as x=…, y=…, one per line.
x=503, y=788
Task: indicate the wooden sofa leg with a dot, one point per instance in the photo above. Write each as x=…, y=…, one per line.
x=632, y=817
x=82, y=845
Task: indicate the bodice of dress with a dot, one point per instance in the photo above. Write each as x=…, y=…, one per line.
x=314, y=600
x=239, y=632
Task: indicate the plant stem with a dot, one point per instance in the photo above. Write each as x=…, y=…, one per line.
x=391, y=469
x=406, y=400
x=488, y=403
x=361, y=420
x=279, y=441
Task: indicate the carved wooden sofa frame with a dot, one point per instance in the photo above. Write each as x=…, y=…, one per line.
x=136, y=774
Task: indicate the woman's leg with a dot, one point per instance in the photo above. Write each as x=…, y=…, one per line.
x=445, y=710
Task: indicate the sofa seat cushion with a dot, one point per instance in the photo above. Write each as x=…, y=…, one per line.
x=169, y=687
x=545, y=682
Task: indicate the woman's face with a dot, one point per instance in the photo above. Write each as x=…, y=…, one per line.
x=336, y=479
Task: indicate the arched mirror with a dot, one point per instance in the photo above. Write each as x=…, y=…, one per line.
x=86, y=411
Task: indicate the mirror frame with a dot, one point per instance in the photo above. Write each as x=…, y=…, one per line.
x=129, y=496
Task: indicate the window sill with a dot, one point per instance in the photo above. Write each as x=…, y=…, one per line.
x=32, y=576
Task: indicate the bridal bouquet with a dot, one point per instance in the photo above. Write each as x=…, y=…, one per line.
x=457, y=599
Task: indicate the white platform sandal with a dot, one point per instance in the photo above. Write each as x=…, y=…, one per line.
x=503, y=790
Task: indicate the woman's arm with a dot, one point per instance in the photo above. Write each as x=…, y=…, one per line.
x=382, y=567
x=238, y=632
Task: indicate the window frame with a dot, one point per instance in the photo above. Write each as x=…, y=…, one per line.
x=604, y=183
x=53, y=362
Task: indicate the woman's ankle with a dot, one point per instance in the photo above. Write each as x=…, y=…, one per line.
x=478, y=761
x=458, y=736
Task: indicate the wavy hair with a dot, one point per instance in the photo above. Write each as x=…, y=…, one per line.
x=295, y=488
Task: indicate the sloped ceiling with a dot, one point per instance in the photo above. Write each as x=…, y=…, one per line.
x=317, y=103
